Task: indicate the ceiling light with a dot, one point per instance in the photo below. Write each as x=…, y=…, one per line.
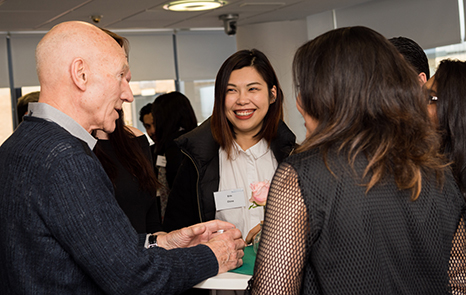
x=193, y=5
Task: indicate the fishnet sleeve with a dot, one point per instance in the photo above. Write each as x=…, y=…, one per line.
x=282, y=251
x=457, y=270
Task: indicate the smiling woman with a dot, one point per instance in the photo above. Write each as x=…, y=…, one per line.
x=241, y=143
x=246, y=103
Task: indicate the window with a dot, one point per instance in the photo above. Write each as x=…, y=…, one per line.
x=145, y=92
x=201, y=96
x=435, y=55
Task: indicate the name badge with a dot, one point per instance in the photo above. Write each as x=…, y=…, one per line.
x=161, y=161
x=229, y=199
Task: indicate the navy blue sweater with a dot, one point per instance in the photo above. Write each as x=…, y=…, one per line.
x=62, y=231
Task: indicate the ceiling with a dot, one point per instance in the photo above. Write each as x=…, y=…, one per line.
x=41, y=15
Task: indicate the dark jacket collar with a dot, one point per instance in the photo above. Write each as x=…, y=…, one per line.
x=199, y=144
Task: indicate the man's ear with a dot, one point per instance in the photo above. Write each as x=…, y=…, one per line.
x=422, y=78
x=79, y=73
x=273, y=93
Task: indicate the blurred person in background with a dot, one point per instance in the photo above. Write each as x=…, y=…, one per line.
x=173, y=116
x=446, y=91
x=145, y=116
x=23, y=102
x=414, y=55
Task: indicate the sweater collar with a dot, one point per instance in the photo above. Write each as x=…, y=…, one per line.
x=49, y=113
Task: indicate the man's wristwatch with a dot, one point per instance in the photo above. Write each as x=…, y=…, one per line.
x=152, y=241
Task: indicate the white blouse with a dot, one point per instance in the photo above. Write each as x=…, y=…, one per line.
x=245, y=167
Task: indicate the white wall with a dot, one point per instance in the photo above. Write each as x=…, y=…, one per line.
x=279, y=41
x=320, y=23
x=201, y=53
x=151, y=56
x=431, y=23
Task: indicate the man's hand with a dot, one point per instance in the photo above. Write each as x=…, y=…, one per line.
x=193, y=235
x=228, y=248
x=220, y=236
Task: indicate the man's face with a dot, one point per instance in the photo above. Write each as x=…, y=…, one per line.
x=109, y=89
x=149, y=125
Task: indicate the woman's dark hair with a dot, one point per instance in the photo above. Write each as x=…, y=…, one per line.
x=130, y=155
x=450, y=84
x=23, y=103
x=367, y=100
x=222, y=130
x=172, y=112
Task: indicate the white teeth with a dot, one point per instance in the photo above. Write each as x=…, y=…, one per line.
x=243, y=113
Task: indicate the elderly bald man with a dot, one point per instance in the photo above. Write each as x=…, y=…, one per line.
x=61, y=229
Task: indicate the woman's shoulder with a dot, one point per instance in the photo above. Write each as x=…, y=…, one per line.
x=199, y=141
x=305, y=156
x=285, y=132
x=134, y=130
x=313, y=160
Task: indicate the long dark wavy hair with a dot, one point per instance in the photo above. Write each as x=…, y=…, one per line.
x=450, y=84
x=171, y=112
x=222, y=130
x=130, y=155
x=367, y=100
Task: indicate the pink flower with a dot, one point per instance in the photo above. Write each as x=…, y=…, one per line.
x=260, y=190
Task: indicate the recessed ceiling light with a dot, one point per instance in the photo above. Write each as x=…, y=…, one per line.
x=194, y=5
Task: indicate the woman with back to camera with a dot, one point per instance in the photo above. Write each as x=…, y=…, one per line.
x=242, y=142
x=173, y=116
x=367, y=205
x=447, y=106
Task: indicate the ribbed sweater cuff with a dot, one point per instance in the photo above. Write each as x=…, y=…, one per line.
x=206, y=265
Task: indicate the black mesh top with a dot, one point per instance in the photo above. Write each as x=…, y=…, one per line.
x=323, y=234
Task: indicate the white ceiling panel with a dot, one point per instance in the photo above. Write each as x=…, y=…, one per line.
x=34, y=15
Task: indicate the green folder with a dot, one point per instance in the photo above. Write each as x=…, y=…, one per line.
x=248, y=262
